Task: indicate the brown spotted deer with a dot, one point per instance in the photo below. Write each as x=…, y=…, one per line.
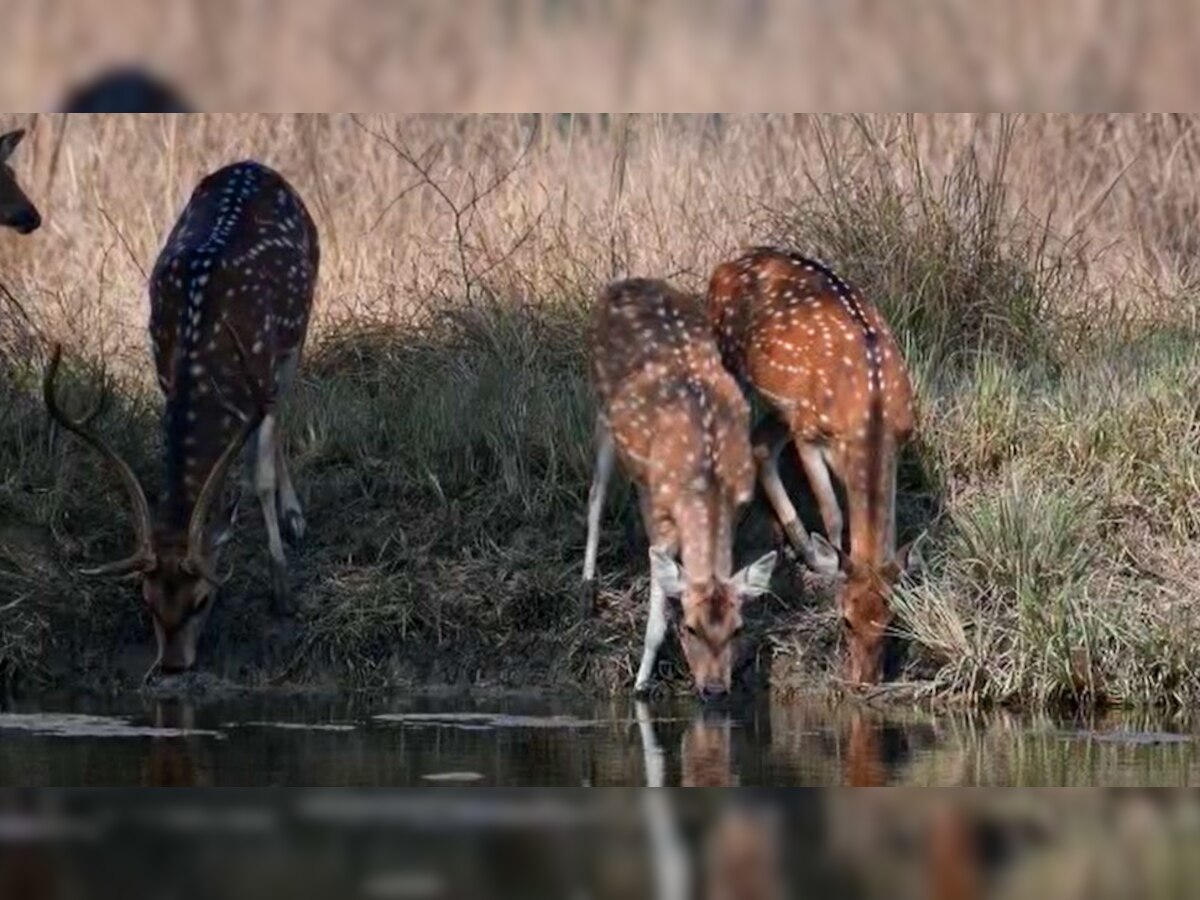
x=680, y=427
x=230, y=297
x=823, y=360
x=16, y=210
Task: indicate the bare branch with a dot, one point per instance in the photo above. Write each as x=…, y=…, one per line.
x=124, y=242
x=463, y=213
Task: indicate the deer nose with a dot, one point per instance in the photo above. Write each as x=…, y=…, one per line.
x=712, y=691
x=27, y=220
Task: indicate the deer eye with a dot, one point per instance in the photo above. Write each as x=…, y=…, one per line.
x=738, y=631
x=847, y=625
x=690, y=629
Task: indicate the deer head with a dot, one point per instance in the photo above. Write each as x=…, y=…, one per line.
x=863, y=601
x=178, y=570
x=708, y=616
x=16, y=210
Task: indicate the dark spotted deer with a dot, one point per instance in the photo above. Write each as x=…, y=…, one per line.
x=124, y=90
x=679, y=425
x=230, y=297
x=834, y=380
x=16, y=210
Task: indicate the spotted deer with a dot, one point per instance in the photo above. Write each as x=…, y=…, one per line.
x=679, y=425
x=16, y=210
x=230, y=297
x=124, y=89
x=833, y=378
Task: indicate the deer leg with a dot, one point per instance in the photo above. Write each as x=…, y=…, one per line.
x=266, y=487
x=890, y=535
x=668, y=853
x=817, y=469
x=769, y=438
x=652, y=753
x=289, y=503
x=665, y=540
x=656, y=633
x=605, y=458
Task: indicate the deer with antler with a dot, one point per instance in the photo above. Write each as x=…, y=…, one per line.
x=230, y=297
x=16, y=210
x=680, y=427
x=835, y=383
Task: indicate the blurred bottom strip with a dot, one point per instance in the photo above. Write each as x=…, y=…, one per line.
x=652, y=843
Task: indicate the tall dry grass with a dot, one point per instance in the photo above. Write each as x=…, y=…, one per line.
x=504, y=55
x=1040, y=272
x=553, y=204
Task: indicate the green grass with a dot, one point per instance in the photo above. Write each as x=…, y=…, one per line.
x=1065, y=565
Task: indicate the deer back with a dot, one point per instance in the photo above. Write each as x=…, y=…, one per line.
x=230, y=297
x=811, y=344
x=679, y=421
x=124, y=90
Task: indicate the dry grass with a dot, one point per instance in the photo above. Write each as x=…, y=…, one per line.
x=471, y=55
x=589, y=197
x=1040, y=272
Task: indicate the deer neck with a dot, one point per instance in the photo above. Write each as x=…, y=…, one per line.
x=872, y=504
x=705, y=523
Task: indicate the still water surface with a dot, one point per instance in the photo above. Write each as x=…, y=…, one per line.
x=547, y=741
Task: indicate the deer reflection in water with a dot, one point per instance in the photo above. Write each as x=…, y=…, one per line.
x=738, y=854
x=886, y=837
x=880, y=841
x=171, y=759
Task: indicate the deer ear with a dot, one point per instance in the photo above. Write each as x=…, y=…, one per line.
x=755, y=579
x=666, y=573
x=827, y=559
x=908, y=559
x=8, y=143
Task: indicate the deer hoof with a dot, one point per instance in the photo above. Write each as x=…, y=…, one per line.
x=294, y=524
x=282, y=601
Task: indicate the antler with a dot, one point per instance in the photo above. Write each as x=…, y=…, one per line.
x=143, y=558
x=196, y=561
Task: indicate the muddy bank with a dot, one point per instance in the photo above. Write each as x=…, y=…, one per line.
x=444, y=559
x=789, y=646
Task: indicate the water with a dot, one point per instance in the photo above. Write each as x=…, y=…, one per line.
x=526, y=842
x=515, y=741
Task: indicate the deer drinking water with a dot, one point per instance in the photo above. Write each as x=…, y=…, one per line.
x=16, y=210
x=824, y=361
x=230, y=297
x=680, y=427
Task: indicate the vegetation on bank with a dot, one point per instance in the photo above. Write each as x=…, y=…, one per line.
x=443, y=448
